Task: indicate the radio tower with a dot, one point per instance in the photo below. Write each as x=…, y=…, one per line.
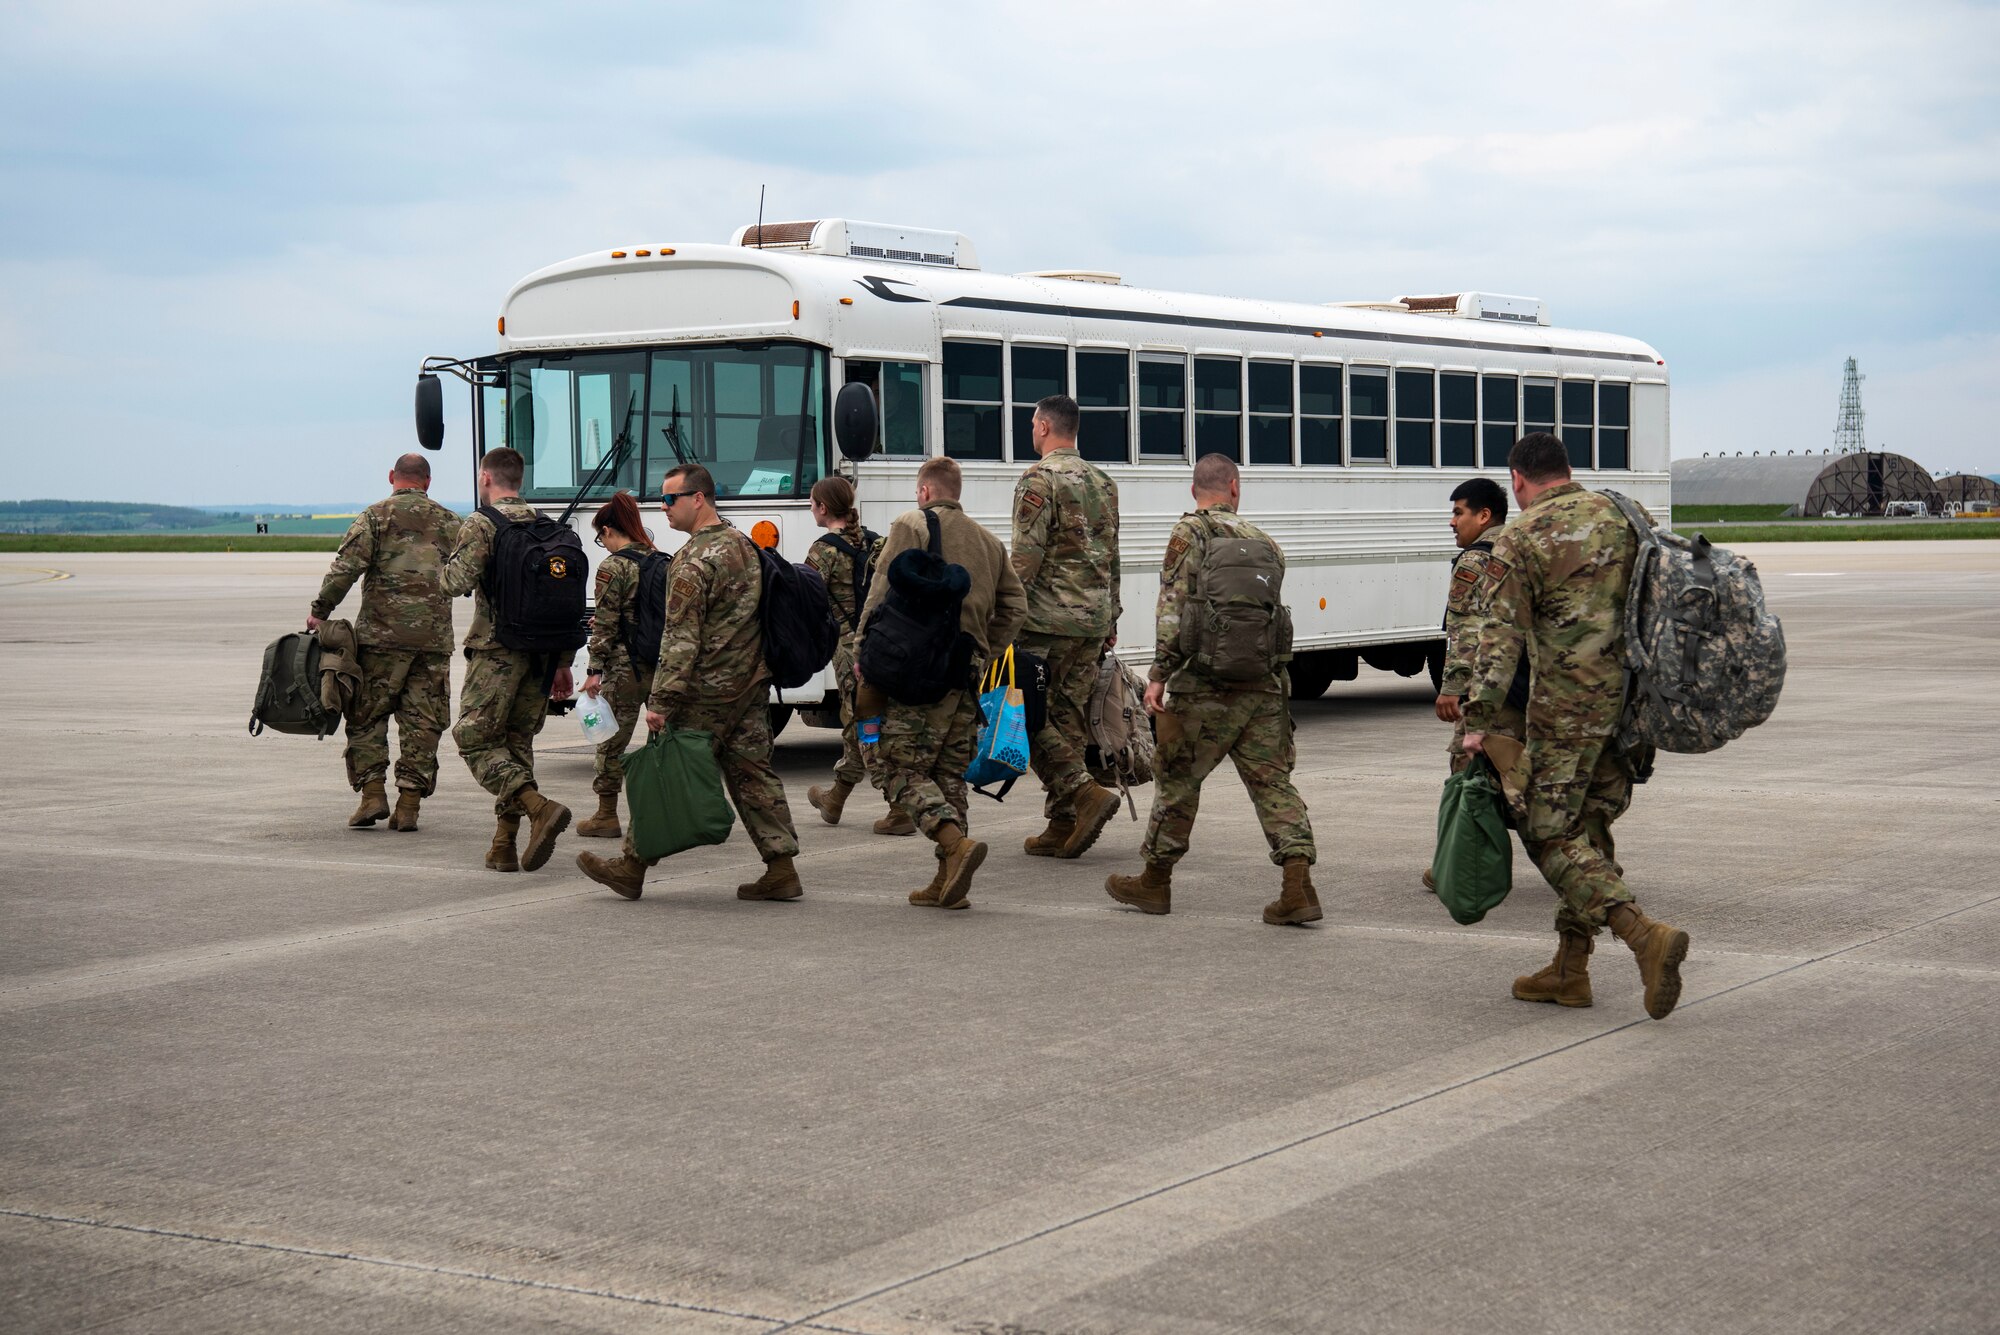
x=1847, y=437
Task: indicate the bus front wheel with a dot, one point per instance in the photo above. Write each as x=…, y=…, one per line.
x=780, y=716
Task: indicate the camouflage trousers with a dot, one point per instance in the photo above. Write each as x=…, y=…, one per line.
x=626, y=695
x=1508, y=722
x=1251, y=728
x=853, y=766
x=743, y=750
x=1055, y=753
x=1577, y=787
x=414, y=687
x=500, y=709
x=925, y=749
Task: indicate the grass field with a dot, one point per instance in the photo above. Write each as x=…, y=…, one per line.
x=1915, y=529
x=165, y=542
x=1733, y=514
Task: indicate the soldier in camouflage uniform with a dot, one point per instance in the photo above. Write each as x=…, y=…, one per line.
x=397, y=548
x=712, y=679
x=1554, y=589
x=847, y=585
x=1203, y=722
x=925, y=748
x=613, y=676
x=1478, y=506
x=505, y=697
x=1065, y=551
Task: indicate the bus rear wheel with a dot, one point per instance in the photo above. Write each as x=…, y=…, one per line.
x=780, y=716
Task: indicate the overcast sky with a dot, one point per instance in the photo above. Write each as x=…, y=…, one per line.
x=229, y=232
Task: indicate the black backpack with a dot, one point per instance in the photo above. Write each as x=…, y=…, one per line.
x=912, y=649
x=862, y=560
x=800, y=632
x=641, y=630
x=288, y=698
x=537, y=584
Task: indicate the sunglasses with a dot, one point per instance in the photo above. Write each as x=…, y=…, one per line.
x=667, y=498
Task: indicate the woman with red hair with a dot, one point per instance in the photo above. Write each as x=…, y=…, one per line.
x=613, y=674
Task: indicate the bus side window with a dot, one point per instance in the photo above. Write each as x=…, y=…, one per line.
x=899, y=403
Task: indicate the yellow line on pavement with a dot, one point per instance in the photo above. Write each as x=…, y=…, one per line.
x=46, y=574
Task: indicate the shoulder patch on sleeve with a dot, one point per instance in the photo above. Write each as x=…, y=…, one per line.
x=1176, y=548
x=686, y=587
x=1032, y=502
x=1466, y=574
x=1496, y=568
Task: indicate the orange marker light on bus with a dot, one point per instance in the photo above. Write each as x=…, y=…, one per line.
x=764, y=533
x=617, y=254
x=847, y=301
x=1322, y=604
x=666, y=250
x=795, y=310
x=503, y=324
x=642, y=252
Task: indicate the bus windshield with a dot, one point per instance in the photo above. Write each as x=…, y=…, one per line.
x=751, y=413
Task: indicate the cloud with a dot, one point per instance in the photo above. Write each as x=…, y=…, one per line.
x=228, y=231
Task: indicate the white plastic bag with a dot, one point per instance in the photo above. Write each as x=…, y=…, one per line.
x=594, y=713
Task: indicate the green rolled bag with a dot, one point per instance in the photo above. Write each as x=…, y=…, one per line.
x=1474, y=862
x=674, y=796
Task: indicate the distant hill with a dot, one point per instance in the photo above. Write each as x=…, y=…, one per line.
x=53, y=516
x=59, y=516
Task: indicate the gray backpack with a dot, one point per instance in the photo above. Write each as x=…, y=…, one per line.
x=1237, y=627
x=1704, y=658
x=288, y=690
x=1120, y=750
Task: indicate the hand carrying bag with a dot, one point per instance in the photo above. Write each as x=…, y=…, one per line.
x=1002, y=753
x=1474, y=862
x=673, y=789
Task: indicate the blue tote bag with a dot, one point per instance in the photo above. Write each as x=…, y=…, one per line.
x=1002, y=754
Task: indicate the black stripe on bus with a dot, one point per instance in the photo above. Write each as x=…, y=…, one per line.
x=1261, y=327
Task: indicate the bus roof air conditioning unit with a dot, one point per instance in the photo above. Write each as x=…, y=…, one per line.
x=1464, y=306
x=862, y=241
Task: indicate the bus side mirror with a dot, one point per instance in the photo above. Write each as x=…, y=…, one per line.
x=430, y=412
x=854, y=420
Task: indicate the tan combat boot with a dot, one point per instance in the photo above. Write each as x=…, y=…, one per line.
x=1565, y=980
x=926, y=896
x=1298, y=903
x=374, y=806
x=829, y=802
x=779, y=881
x=621, y=873
x=546, y=820
x=603, y=825
x=1095, y=806
x=962, y=857
x=501, y=856
x=1660, y=947
x=895, y=823
x=404, y=817
x=1049, y=843
x=1430, y=881
x=1151, y=891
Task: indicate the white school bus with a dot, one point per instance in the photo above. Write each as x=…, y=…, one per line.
x=1352, y=421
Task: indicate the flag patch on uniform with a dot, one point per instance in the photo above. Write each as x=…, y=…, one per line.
x=1031, y=505
x=1496, y=568
x=1467, y=574
x=1176, y=549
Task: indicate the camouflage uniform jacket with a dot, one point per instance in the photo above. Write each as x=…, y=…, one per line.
x=1066, y=546
x=1554, y=587
x=995, y=604
x=399, y=544
x=712, y=650
x=611, y=604
x=1462, y=615
x=466, y=571
x=1186, y=547
x=837, y=569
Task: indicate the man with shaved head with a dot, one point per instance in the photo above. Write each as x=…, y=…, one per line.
x=397, y=547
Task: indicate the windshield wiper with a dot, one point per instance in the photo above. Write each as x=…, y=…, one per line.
x=611, y=462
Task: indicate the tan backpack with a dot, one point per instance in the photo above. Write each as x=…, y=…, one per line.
x=1120, y=754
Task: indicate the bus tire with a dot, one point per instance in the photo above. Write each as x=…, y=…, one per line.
x=780, y=716
x=1311, y=675
x=1434, y=661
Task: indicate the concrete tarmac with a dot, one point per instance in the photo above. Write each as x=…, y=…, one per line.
x=262, y=1072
